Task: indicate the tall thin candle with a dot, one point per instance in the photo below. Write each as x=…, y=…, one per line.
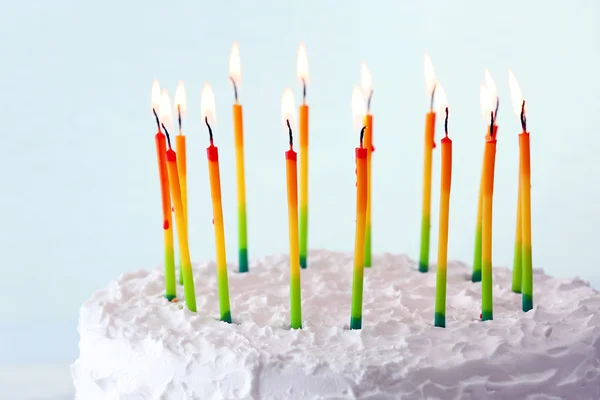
x=287, y=112
x=207, y=105
x=235, y=75
x=182, y=236
x=361, y=156
x=303, y=76
x=446, y=180
x=367, y=87
x=161, y=148
x=181, y=107
x=525, y=194
x=518, y=255
x=429, y=145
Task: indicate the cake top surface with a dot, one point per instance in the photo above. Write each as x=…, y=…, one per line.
x=560, y=335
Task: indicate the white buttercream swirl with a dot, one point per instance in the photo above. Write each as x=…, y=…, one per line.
x=136, y=345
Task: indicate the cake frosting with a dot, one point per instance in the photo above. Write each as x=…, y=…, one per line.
x=134, y=344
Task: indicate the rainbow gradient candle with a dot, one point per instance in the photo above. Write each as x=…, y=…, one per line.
x=181, y=107
x=161, y=149
x=302, y=72
x=235, y=76
x=525, y=194
x=287, y=114
x=367, y=89
x=485, y=104
x=207, y=105
x=518, y=255
x=182, y=236
x=361, y=155
x=446, y=180
x=429, y=145
x=487, y=205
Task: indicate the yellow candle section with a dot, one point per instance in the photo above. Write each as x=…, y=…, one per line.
x=215, y=190
x=368, y=144
x=182, y=169
x=303, y=125
x=182, y=237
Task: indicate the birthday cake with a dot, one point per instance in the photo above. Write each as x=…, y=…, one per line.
x=134, y=344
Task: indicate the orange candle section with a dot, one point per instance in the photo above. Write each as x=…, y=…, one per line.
x=369, y=148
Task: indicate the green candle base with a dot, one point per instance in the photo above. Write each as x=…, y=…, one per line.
x=226, y=317
x=170, y=296
x=355, y=322
x=516, y=290
x=367, y=255
x=527, y=302
x=423, y=267
x=303, y=262
x=476, y=277
x=439, y=320
x=243, y=260
x=487, y=315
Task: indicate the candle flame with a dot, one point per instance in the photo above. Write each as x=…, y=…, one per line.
x=166, y=113
x=486, y=105
x=441, y=102
x=235, y=69
x=430, y=79
x=288, y=109
x=515, y=93
x=492, y=91
x=366, y=81
x=359, y=108
x=156, y=96
x=180, y=99
x=302, y=66
x=207, y=105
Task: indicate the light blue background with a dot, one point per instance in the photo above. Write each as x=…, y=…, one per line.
x=80, y=198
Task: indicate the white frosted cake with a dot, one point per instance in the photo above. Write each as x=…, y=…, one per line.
x=136, y=345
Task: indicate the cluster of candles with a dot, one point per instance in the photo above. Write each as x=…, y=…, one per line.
x=173, y=182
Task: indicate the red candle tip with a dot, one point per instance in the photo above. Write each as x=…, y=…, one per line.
x=166, y=224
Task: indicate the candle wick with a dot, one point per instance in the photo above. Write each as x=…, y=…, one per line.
x=497, y=106
x=168, y=137
x=303, y=91
x=523, y=117
x=157, y=120
x=492, y=125
x=290, y=132
x=432, y=97
x=362, y=135
x=179, y=116
x=369, y=102
x=210, y=133
x=235, y=90
x=446, y=123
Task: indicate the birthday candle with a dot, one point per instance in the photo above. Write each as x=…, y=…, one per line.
x=518, y=256
x=302, y=72
x=367, y=88
x=487, y=204
x=181, y=107
x=429, y=145
x=182, y=236
x=235, y=75
x=207, y=105
x=361, y=157
x=446, y=179
x=524, y=194
x=161, y=148
x=287, y=113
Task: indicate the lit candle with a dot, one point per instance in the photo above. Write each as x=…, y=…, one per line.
x=476, y=275
x=207, y=105
x=446, y=179
x=181, y=106
x=524, y=194
x=302, y=72
x=361, y=157
x=487, y=203
x=235, y=75
x=429, y=145
x=161, y=148
x=182, y=237
x=367, y=88
x=287, y=113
